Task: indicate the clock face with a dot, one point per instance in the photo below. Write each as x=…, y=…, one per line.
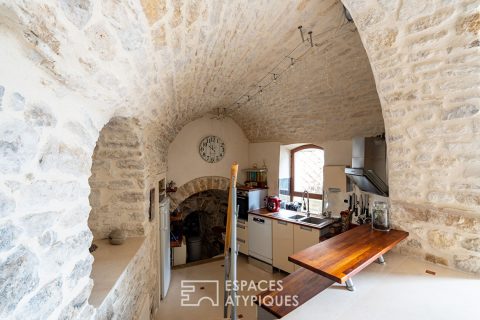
x=212, y=149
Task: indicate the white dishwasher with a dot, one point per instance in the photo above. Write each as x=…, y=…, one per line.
x=260, y=238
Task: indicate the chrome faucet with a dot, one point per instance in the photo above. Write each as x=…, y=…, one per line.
x=307, y=205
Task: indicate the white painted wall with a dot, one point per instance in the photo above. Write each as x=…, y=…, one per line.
x=337, y=152
x=184, y=161
x=270, y=153
x=284, y=170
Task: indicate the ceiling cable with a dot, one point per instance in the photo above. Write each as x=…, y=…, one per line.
x=246, y=97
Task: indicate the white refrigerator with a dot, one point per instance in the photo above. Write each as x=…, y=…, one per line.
x=165, y=267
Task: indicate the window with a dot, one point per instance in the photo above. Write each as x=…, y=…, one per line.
x=307, y=174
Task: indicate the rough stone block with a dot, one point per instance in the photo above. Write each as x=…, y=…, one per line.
x=117, y=154
x=7, y=205
x=42, y=304
x=40, y=116
x=154, y=9
x=36, y=223
x=18, y=144
x=430, y=20
x=47, y=192
x=9, y=234
x=440, y=239
x=130, y=164
x=102, y=42
x=76, y=305
x=77, y=12
x=467, y=263
x=460, y=112
x=434, y=259
x=19, y=276
x=472, y=244
x=130, y=197
x=81, y=269
x=469, y=23
x=59, y=156
x=17, y=102
x=120, y=185
x=48, y=238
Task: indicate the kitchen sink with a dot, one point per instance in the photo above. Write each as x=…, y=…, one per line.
x=295, y=217
x=313, y=220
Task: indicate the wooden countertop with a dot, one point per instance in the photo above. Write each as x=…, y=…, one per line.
x=303, y=284
x=343, y=256
x=283, y=214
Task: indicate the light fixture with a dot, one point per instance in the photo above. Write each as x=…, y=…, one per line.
x=275, y=77
x=301, y=33
x=311, y=38
x=261, y=90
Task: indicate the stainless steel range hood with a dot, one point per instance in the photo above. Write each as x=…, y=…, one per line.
x=369, y=170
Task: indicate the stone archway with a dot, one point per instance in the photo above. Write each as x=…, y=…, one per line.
x=425, y=57
x=197, y=185
x=118, y=197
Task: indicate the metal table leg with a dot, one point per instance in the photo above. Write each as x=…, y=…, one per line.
x=381, y=260
x=349, y=284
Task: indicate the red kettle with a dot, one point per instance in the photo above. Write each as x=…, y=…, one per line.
x=273, y=204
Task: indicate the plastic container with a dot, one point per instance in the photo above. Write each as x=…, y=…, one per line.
x=380, y=216
x=194, y=248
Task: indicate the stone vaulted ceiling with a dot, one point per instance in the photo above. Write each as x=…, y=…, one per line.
x=220, y=50
x=168, y=62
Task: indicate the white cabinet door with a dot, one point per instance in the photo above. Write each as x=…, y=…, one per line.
x=282, y=245
x=242, y=236
x=304, y=237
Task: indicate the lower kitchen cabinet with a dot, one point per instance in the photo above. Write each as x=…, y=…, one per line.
x=282, y=245
x=304, y=237
x=242, y=236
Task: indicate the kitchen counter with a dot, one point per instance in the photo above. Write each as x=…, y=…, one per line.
x=283, y=214
x=246, y=188
x=333, y=260
x=345, y=255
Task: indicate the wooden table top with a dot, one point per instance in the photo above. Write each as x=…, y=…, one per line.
x=303, y=284
x=343, y=256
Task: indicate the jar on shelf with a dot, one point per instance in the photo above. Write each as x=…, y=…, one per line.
x=380, y=216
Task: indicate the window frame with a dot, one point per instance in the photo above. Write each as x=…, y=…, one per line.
x=294, y=193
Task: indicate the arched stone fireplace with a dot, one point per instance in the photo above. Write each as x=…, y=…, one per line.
x=203, y=201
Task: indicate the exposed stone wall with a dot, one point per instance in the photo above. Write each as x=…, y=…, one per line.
x=118, y=196
x=211, y=206
x=195, y=186
x=425, y=58
x=66, y=67
x=131, y=288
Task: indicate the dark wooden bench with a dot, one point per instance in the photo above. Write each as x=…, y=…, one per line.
x=333, y=260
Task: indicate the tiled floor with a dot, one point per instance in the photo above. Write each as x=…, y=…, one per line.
x=400, y=289
x=171, y=307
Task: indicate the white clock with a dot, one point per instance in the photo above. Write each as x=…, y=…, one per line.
x=212, y=149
